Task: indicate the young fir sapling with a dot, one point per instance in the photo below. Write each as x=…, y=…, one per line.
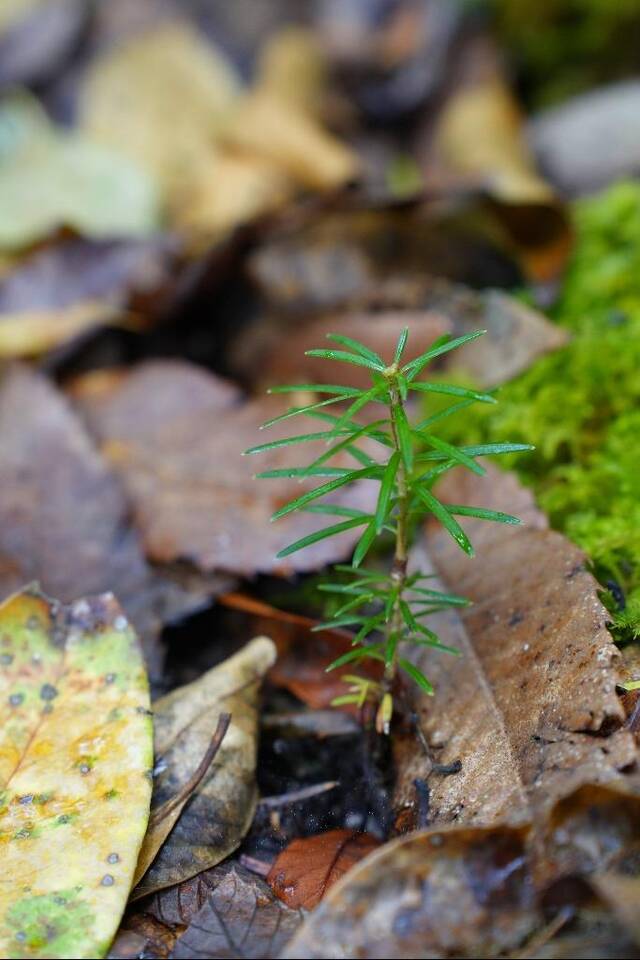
x=386, y=609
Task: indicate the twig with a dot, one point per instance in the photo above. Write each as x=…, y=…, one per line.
x=194, y=780
x=544, y=936
x=294, y=796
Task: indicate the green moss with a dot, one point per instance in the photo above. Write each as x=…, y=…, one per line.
x=581, y=405
x=51, y=925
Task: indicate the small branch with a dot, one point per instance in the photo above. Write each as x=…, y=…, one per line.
x=295, y=796
x=196, y=777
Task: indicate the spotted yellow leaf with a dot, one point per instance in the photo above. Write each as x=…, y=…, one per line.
x=75, y=773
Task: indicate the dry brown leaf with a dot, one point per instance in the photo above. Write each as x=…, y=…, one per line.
x=309, y=866
x=230, y=913
x=176, y=435
x=530, y=708
x=63, y=514
x=486, y=891
x=516, y=336
x=441, y=893
x=206, y=827
x=303, y=656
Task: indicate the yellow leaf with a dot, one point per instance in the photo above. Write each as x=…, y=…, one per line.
x=274, y=129
x=161, y=98
x=75, y=786
x=30, y=333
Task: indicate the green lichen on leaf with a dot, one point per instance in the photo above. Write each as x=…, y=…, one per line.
x=581, y=405
x=48, y=926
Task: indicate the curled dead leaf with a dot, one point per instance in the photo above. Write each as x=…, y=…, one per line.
x=209, y=820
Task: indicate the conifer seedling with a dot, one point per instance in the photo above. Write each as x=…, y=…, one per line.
x=385, y=609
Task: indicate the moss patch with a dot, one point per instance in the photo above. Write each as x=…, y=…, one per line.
x=581, y=406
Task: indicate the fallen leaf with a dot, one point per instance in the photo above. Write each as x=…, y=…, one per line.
x=303, y=655
x=229, y=913
x=63, y=515
x=141, y=935
x=167, y=71
x=176, y=435
x=440, y=893
x=231, y=190
x=530, y=709
x=36, y=37
x=516, y=336
x=292, y=68
x=70, y=288
x=75, y=769
x=310, y=155
x=51, y=179
x=208, y=825
x=309, y=866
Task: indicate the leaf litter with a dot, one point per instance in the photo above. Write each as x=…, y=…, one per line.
x=506, y=818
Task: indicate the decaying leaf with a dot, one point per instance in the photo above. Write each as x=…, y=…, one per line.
x=70, y=288
x=309, y=866
x=488, y=891
x=176, y=435
x=229, y=913
x=440, y=893
x=536, y=684
x=208, y=825
x=63, y=515
x=49, y=180
x=75, y=773
x=516, y=335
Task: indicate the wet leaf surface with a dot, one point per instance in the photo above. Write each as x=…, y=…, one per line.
x=306, y=869
x=418, y=889
x=75, y=772
x=63, y=514
x=208, y=825
x=176, y=434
